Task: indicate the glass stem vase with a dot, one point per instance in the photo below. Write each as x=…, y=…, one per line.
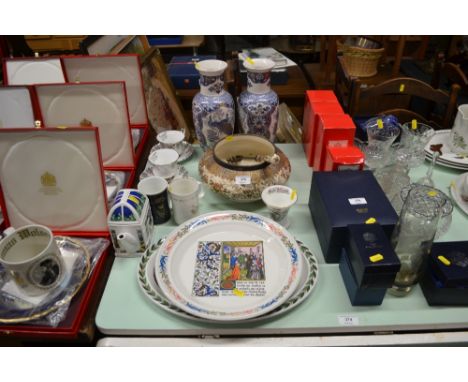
x=258, y=105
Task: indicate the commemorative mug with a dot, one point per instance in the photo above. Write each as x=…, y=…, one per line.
x=31, y=255
x=164, y=162
x=279, y=199
x=185, y=194
x=172, y=139
x=155, y=188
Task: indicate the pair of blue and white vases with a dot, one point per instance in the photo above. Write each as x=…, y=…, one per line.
x=213, y=107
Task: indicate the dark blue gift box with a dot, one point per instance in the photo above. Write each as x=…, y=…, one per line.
x=182, y=71
x=340, y=198
x=447, y=283
x=358, y=295
x=373, y=260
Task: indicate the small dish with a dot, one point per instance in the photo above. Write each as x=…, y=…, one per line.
x=186, y=152
x=16, y=309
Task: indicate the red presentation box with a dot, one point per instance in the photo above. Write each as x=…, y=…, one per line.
x=344, y=158
x=334, y=130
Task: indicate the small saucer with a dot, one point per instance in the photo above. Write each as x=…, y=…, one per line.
x=187, y=151
x=15, y=307
x=181, y=172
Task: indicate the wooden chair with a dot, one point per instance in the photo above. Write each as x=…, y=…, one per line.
x=451, y=73
x=403, y=97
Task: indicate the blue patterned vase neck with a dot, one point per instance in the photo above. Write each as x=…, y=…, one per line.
x=258, y=83
x=211, y=85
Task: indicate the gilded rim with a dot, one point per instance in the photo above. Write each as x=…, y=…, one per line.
x=68, y=298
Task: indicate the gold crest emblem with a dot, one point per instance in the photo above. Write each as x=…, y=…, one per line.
x=48, y=180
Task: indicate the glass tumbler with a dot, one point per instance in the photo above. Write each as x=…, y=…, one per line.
x=380, y=137
x=413, y=235
x=414, y=138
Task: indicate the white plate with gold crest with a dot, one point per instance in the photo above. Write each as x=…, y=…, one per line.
x=151, y=289
x=228, y=266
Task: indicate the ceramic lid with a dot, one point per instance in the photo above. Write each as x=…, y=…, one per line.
x=53, y=177
x=127, y=207
x=112, y=68
x=31, y=71
x=102, y=105
x=16, y=107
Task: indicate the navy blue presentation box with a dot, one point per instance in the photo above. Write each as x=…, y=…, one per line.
x=358, y=295
x=340, y=198
x=182, y=71
x=447, y=283
x=373, y=260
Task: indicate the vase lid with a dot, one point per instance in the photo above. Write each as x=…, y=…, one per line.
x=259, y=65
x=211, y=67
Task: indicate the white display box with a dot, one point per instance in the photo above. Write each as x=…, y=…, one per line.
x=16, y=108
x=33, y=70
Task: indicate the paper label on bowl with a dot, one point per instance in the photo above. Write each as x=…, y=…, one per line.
x=340, y=143
x=357, y=201
x=243, y=179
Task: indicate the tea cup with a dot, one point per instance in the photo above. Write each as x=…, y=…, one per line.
x=164, y=162
x=172, y=139
x=279, y=199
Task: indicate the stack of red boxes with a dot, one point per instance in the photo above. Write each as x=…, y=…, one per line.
x=328, y=134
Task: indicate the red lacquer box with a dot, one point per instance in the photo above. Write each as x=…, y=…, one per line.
x=334, y=130
x=315, y=111
x=344, y=158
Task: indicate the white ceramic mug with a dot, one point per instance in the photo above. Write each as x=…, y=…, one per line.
x=172, y=139
x=31, y=255
x=164, y=162
x=279, y=199
x=185, y=194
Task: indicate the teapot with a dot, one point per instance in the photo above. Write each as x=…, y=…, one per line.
x=239, y=167
x=459, y=135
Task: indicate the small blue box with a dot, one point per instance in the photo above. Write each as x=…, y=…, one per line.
x=358, y=295
x=365, y=241
x=447, y=284
x=340, y=198
x=182, y=71
x=165, y=40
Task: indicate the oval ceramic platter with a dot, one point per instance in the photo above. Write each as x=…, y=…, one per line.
x=228, y=266
x=447, y=159
x=17, y=308
x=150, y=287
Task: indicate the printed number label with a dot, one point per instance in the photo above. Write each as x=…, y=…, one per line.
x=348, y=320
x=357, y=201
x=243, y=179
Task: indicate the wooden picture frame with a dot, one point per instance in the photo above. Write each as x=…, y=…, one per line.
x=165, y=110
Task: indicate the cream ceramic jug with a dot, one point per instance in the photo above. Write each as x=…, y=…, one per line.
x=459, y=135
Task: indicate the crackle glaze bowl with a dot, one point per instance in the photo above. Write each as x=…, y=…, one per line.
x=239, y=167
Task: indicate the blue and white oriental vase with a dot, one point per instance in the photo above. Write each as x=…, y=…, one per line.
x=213, y=107
x=258, y=105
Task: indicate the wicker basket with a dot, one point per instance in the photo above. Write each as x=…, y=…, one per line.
x=360, y=62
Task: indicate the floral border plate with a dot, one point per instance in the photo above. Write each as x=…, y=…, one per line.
x=197, y=284
x=150, y=288
x=13, y=309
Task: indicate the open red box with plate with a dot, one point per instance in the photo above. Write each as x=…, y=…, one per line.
x=122, y=67
x=55, y=177
x=100, y=104
x=33, y=70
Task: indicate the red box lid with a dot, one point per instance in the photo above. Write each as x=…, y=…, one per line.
x=321, y=96
x=346, y=155
x=53, y=177
x=103, y=104
x=331, y=121
x=122, y=67
x=33, y=70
